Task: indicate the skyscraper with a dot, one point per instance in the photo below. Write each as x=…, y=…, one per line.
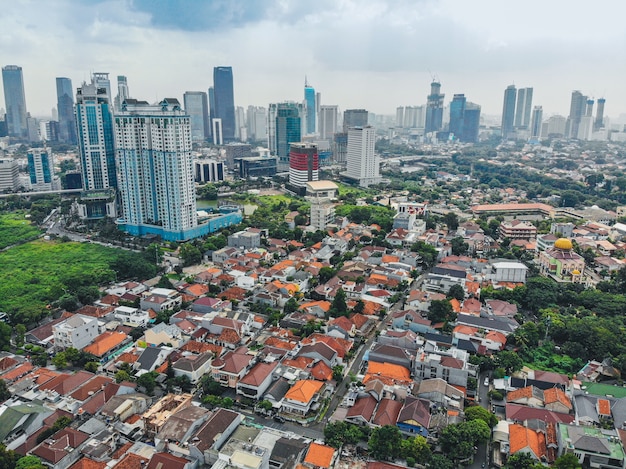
x=257, y=123
x=599, y=123
x=535, y=127
x=434, y=108
x=508, y=112
x=65, y=107
x=311, y=107
x=101, y=80
x=153, y=146
x=197, y=106
x=122, y=91
x=328, y=121
x=304, y=164
x=589, y=109
x=41, y=169
x=96, y=139
x=576, y=112
x=285, y=127
x=457, y=111
x=363, y=165
x=523, y=108
x=15, y=101
x=464, y=119
x=225, y=101
x=354, y=118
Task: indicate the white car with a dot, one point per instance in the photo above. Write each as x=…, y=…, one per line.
x=486, y=382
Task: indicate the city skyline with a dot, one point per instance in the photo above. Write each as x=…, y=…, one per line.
x=359, y=59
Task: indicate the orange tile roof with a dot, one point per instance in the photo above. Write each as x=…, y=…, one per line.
x=467, y=330
x=322, y=372
x=387, y=258
x=128, y=357
x=304, y=390
x=388, y=370
x=456, y=305
x=197, y=289
x=105, y=343
x=17, y=372
x=556, y=395
x=319, y=455
x=496, y=337
x=86, y=463
x=298, y=362
x=278, y=343
x=521, y=437
x=604, y=407
x=322, y=304
x=131, y=461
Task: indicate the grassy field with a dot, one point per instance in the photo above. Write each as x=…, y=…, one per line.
x=34, y=274
x=14, y=228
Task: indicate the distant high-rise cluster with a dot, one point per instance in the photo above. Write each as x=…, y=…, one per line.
x=516, y=111
x=464, y=119
x=580, y=122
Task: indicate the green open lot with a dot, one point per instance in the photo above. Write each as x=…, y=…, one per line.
x=35, y=274
x=15, y=228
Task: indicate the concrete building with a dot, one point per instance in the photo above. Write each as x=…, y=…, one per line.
x=197, y=106
x=208, y=170
x=321, y=194
x=9, y=175
x=247, y=239
x=517, y=229
x=77, y=331
x=328, y=121
x=363, y=165
x=562, y=263
x=303, y=164
x=41, y=170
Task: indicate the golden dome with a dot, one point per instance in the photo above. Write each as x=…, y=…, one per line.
x=564, y=244
x=575, y=272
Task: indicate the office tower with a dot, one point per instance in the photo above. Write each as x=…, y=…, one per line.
x=211, y=104
x=599, y=123
x=285, y=127
x=49, y=131
x=122, y=91
x=304, y=164
x=65, y=107
x=208, y=170
x=400, y=116
x=585, y=128
x=362, y=163
x=576, y=112
x=555, y=126
x=101, y=79
x=471, y=123
x=217, y=131
x=197, y=106
x=41, y=169
x=311, y=107
x=9, y=175
x=240, y=124
x=354, y=118
x=536, y=122
x=15, y=101
x=328, y=121
x=156, y=171
x=96, y=139
x=457, y=111
x=589, y=108
x=340, y=147
x=257, y=123
x=508, y=112
x=225, y=101
x=53, y=113
x=33, y=129
x=434, y=109
x=523, y=108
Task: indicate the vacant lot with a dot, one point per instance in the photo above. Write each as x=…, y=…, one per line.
x=35, y=274
x=15, y=228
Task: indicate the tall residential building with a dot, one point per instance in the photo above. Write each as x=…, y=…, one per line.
x=101, y=79
x=197, y=106
x=434, y=109
x=523, y=108
x=577, y=110
x=257, y=123
x=362, y=163
x=589, y=108
x=354, y=118
x=328, y=121
x=49, y=131
x=464, y=119
x=225, y=101
x=599, y=122
x=15, y=101
x=65, y=109
x=9, y=175
x=96, y=138
x=311, y=107
x=400, y=116
x=304, y=164
x=321, y=194
x=156, y=170
x=241, y=132
x=508, y=112
x=285, y=127
x=41, y=169
x=536, y=122
x=122, y=91
x=554, y=126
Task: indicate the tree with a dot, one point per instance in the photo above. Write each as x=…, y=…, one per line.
x=451, y=219
x=427, y=253
x=325, y=274
x=460, y=439
x=339, y=306
x=459, y=246
x=92, y=367
x=190, y=254
x=148, y=382
x=4, y=391
x=416, y=448
x=122, y=375
x=210, y=386
x=72, y=354
x=290, y=306
x=567, y=461
x=68, y=302
x=385, y=442
x=59, y=360
x=164, y=282
x=29, y=462
x=20, y=331
x=439, y=461
x=521, y=460
x=338, y=373
x=456, y=291
x=480, y=413
x=510, y=361
x=441, y=311
x=265, y=405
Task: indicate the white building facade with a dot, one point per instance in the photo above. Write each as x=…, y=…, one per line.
x=362, y=163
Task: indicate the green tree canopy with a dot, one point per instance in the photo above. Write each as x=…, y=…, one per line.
x=441, y=311
x=385, y=442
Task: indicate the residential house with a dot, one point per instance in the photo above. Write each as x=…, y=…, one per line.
x=59, y=451
x=77, y=331
x=161, y=299
x=179, y=427
x=107, y=344
x=231, y=367
x=254, y=384
x=193, y=366
x=157, y=415
x=362, y=411
x=387, y=412
x=530, y=396
x=165, y=334
x=391, y=354
x=302, y=397
x=319, y=351
x=133, y=317
x=287, y=453
x=210, y=437
x=414, y=418
x=437, y=391
x=594, y=447
x=319, y=456
x=169, y=461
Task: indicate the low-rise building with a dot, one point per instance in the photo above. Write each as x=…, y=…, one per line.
x=77, y=331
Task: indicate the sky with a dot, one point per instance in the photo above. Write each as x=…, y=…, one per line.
x=372, y=54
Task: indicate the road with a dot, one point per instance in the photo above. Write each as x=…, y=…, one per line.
x=481, y=453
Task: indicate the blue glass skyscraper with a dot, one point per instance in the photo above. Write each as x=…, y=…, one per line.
x=457, y=111
x=65, y=108
x=15, y=101
x=434, y=109
x=464, y=119
x=94, y=121
x=310, y=101
x=508, y=112
x=285, y=121
x=224, y=101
